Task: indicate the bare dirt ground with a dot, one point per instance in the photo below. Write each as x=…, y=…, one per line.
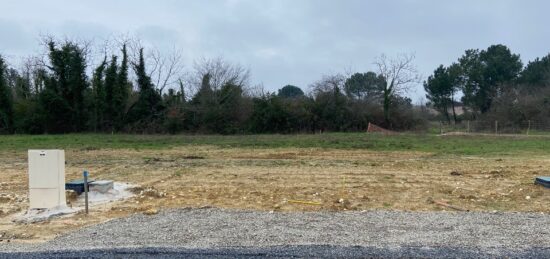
x=289, y=179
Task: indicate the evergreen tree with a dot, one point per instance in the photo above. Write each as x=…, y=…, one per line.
x=110, y=92
x=270, y=115
x=438, y=90
x=6, y=101
x=331, y=110
x=63, y=97
x=203, y=104
x=229, y=119
x=22, y=85
x=487, y=74
x=175, y=106
x=364, y=85
x=537, y=73
x=148, y=108
x=77, y=84
x=290, y=91
x=98, y=88
x=121, y=91
x=182, y=92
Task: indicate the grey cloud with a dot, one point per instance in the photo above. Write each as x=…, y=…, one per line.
x=14, y=39
x=290, y=41
x=82, y=30
x=158, y=36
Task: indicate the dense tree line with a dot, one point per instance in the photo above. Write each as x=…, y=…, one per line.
x=63, y=93
x=126, y=92
x=493, y=85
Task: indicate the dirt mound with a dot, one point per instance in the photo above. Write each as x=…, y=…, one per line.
x=376, y=128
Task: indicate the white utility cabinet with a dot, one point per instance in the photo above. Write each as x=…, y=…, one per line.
x=46, y=179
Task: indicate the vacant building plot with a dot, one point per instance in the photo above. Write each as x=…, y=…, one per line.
x=332, y=172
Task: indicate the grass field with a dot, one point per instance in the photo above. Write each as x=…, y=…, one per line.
x=441, y=145
x=334, y=172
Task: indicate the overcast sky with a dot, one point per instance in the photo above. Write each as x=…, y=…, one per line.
x=289, y=41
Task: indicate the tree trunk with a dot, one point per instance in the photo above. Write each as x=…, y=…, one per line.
x=443, y=109
x=446, y=111
x=453, y=105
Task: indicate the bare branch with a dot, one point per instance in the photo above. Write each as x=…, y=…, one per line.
x=221, y=73
x=328, y=83
x=399, y=72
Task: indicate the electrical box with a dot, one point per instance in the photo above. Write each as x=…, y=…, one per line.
x=46, y=179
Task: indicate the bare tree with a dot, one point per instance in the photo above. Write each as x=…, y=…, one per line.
x=257, y=90
x=328, y=83
x=400, y=75
x=167, y=68
x=220, y=73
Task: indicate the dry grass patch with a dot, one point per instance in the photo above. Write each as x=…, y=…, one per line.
x=282, y=179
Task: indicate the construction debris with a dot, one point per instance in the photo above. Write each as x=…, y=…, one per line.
x=456, y=173
x=304, y=202
x=151, y=211
x=375, y=128
x=445, y=204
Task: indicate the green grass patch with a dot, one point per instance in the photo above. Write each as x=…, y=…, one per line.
x=439, y=145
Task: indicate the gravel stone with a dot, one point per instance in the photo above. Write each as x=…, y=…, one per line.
x=384, y=233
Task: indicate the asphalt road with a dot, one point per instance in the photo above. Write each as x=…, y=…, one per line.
x=311, y=251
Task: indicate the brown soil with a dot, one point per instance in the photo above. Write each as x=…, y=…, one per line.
x=281, y=180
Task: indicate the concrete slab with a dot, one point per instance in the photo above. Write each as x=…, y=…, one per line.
x=103, y=186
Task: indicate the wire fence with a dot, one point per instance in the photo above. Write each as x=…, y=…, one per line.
x=529, y=127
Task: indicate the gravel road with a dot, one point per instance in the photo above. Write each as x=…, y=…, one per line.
x=232, y=233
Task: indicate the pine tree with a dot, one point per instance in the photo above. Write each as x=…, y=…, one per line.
x=438, y=89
